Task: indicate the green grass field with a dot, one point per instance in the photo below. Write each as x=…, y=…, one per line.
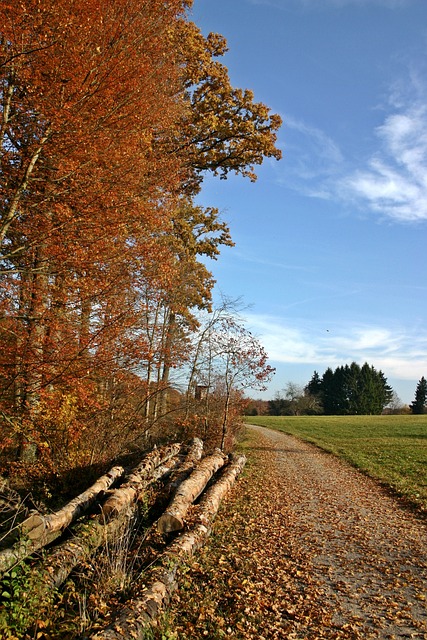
x=392, y=449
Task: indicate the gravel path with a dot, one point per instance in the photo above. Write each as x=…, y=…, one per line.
x=367, y=553
x=307, y=548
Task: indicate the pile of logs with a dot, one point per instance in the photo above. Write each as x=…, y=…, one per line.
x=187, y=482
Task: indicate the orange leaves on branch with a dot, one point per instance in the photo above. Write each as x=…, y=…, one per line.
x=225, y=130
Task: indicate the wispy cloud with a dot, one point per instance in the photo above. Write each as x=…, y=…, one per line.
x=258, y=262
x=394, y=183
x=399, y=353
x=311, y=157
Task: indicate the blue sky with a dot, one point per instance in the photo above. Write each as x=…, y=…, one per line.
x=330, y=252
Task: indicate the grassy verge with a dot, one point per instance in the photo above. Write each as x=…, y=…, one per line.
x=392, y=449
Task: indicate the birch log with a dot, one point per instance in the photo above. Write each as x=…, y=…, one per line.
x=194, y=455
x=90, y=536
x=134, y=619
x=75, y=552
x=188, y=491
x=125, y=495
x=38, y=530
x=38, y=526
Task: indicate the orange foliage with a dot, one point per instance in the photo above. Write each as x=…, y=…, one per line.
x=109, y=116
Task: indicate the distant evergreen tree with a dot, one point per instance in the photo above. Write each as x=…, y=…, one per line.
x=328, y=394
x=418, y=406
x=314, y=387
x=351, y=389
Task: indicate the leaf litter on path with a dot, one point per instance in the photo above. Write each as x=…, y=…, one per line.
x=305, y=547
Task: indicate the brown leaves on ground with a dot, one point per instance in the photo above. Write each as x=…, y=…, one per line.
x=305, y=547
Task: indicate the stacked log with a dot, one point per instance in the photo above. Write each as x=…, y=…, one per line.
x=137, y=481
x=134, y=619
x=194, y=455
x=189, y=490
x=37, y=531
x=117, y=512
x=190, y=476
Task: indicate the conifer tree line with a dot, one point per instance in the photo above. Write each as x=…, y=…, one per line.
x=351, y=390
x=112, y=112
x=347, y=390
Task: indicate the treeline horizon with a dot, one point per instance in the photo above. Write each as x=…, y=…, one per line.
x=347, y=390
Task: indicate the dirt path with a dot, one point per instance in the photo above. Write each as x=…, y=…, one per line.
x=307, y=548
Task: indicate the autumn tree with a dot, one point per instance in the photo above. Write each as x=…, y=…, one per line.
x=225, y=130
x=84, y=89
x=111, y=113
x=226, y=360
x=242, y=364
x=168, y=310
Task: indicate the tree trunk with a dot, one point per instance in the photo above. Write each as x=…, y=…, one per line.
x=225, y=418
x=134, y=619
x=188, y=491
x=170, y=330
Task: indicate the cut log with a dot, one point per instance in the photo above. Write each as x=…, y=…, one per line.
x=88, y=538
x=124, y=496
x=38, y=526
x=134, y=619
x=188, y=491
x=137, y=481
x=38, y=531
x=194, y=455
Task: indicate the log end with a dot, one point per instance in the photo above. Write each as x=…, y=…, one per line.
x=34, y=526
x=168, y=523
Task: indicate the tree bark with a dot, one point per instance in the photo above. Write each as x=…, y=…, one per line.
x=189, y=490
x=194, y=454
x=162, y=582
x=140, y=477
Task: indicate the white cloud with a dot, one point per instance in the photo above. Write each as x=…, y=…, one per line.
x=399, y=353
x=395, y=180
x=327, y=149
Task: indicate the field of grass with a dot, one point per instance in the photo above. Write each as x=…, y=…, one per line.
x=392, y=449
